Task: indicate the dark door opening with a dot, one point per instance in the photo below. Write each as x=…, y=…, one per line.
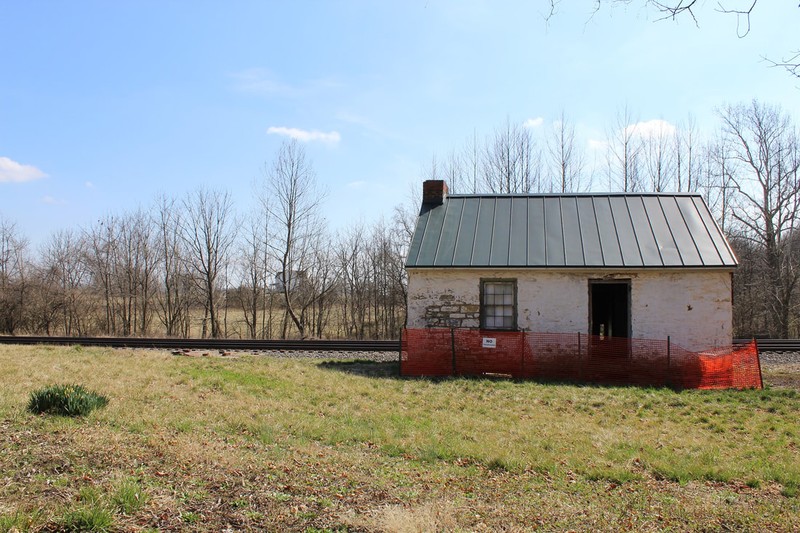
x=610, y=309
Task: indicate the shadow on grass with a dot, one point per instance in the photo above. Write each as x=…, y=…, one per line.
x=365, y=367
x=391, y=370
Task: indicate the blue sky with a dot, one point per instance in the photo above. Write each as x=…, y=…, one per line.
x=104, y=105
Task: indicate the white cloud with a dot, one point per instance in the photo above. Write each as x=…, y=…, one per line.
x=11, y=171
x=51, y=200
x=651, y=128
x=353, y=118
x=594, y=144
x=259, y=80
x=331, y=137
x=89, y=185
x=266, y=83
x=357, y=184
x=533, y=122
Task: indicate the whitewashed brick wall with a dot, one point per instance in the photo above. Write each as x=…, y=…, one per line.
x=693, y=307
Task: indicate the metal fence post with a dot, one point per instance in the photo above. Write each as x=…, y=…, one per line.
x=400, y=353
x=669, y=365
x=453, y=348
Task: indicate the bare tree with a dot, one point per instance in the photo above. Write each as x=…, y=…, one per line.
x=715, y=179
x=322, y=280
x=296, y=226
x=566, y=160
x=101, y=255
x=624, y=153
x=471, y=163
x=351, y=254
x=209, y=231
x=688, y=157
x=658, y=149
x=255, y=265
x=511, y=161
x=64, y=275
x=764, y=142
x=174, y=279
x=13, y=276
x=386, y=256
x=135, y=272
x=432, y=170
x=373, y=282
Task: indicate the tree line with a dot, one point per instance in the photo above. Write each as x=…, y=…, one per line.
x=193, y=266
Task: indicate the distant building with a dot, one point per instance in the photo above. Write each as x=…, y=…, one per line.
x=295, y=279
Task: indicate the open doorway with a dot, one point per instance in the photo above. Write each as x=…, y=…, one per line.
x=609, y=308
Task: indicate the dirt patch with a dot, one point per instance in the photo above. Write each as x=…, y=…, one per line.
x=784, y=376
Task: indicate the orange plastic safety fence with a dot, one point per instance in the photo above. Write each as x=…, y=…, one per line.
x=577, y=357
x=426, y=352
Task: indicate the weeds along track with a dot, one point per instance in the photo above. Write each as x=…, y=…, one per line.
x=765, y=345
x=772, y=351
x=308, y=345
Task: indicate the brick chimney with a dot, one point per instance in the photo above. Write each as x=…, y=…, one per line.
x=433, y=192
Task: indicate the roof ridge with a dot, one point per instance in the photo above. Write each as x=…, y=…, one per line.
x=575, y=194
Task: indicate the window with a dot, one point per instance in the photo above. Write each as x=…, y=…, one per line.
x=499, y=304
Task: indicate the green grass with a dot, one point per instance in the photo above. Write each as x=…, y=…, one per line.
x=296, y=444
x=128, y=497
x=19, y=521
x=90, y=517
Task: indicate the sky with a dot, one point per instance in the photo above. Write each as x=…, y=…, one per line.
x=105, y=105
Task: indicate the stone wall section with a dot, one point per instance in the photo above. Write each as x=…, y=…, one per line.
x=449, y=313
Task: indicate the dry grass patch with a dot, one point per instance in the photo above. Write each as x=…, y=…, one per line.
x=783, y=376
x=259, y=443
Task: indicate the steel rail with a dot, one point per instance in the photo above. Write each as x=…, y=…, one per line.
x=214, y=344
x=773, y=345
x=778, y=345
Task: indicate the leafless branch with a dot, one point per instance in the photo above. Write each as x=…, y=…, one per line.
x=791, y=64
x=674, y=10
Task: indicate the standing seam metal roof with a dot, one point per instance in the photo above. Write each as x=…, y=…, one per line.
x=569, y=230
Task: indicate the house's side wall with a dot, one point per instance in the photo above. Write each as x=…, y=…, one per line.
x=692, y=307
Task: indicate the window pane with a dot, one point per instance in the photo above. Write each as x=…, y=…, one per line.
x=498, y=309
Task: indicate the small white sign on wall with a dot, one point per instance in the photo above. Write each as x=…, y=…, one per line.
x=489, y=342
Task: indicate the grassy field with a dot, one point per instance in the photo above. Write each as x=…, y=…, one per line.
x=257, y=443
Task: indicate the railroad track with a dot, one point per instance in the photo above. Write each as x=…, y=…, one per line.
x=772, y=345
x=214, y=344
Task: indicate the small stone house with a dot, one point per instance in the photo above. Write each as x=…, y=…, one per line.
x=647, y=266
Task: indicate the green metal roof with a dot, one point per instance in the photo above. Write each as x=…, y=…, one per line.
x=569, y=230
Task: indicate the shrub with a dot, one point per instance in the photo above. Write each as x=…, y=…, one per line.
x=66, y=400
